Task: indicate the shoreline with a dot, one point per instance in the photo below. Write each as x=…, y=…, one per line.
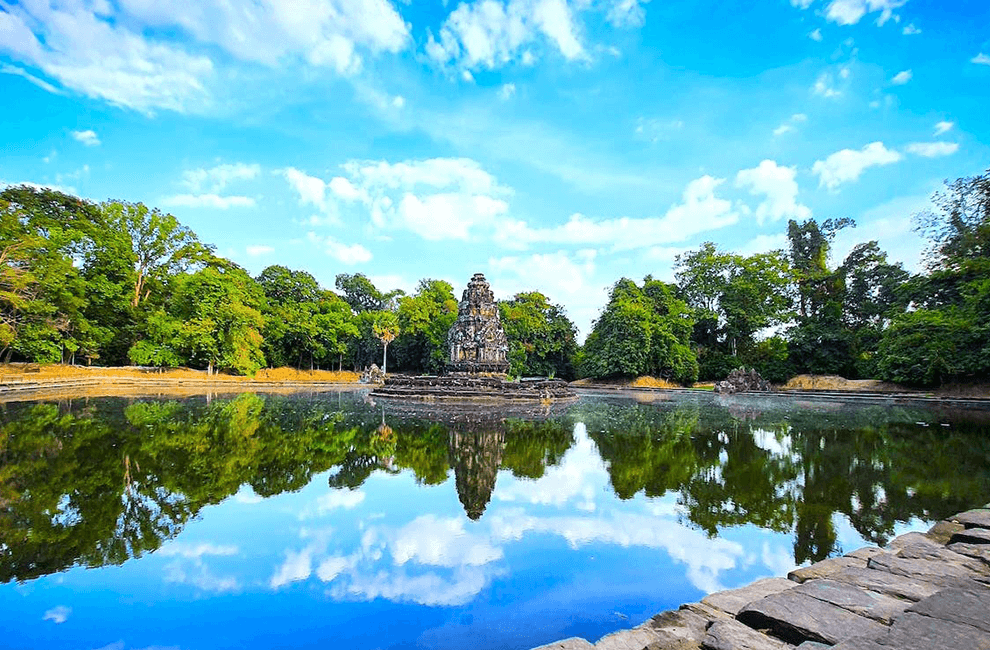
x=922, y=591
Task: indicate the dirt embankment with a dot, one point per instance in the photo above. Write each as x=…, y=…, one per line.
x=28, y=381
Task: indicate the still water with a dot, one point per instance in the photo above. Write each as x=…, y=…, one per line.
x=332, y=520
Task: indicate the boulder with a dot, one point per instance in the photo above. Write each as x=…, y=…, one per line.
x=741, y=380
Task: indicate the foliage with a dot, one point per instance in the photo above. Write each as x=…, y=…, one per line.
x=542, y=340
x=361, y=294
x=424, y=320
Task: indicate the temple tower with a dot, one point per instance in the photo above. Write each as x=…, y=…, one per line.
x=476, y=340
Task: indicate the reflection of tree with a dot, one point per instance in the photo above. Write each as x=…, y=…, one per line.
x=874, y=465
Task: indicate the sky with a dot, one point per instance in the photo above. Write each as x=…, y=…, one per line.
x=554, y=145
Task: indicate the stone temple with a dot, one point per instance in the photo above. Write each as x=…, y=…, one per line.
x=477, y=366
x=477, y=341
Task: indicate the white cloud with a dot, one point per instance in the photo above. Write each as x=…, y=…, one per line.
x=298, y=566
x=801, y=4
x=653, y=130
x=777, y=184
x=910, y=30
x=87, y=137
x=627, y=13
x=825, y=86
x=350, y=254
x=932, y=149
x=57, y=615
x=943, y=127
x=429, y=588
x=311, y=190
x=981, y=59
x=258, y=250
x=847, y=165
x=901, y=78
x=6, y=68
x=849, y=12
x=442, y=542
x=764, y=244
x=491, y=33
x=182, y=549
x=816, y=35
x=506, y=91
x=398, y=101
x=790, y=124
x=216, y=179
x=208, y=201
x=331, y=567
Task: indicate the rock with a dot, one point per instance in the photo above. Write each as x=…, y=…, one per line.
x=373, y=375
x=916, y=632
x=813, y=645
x=865, y=553
x=476, y=340
x=971, y=536
x=742, y=380
x=825, y=568
x=975, y=551
x=940, y=553
x=858, y=601
x=796, y=618
x=573, y=643
x=733, y=600
x=682, y=623
x=943, y=530
x=958, y=606
x=884, y=582
x=707, y=612
x=911, y=539
x=733, y=635
x=635, y=639
x=940, y=573
x=978, y=518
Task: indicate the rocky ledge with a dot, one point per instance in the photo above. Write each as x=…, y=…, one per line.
x=926, y=591
x=454, y=387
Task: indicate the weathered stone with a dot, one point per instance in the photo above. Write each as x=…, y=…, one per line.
x=944, y=574
x=372, y=375
x=911, y=539
x=733, y=600
x=742, y=380
x=476, y=340
x=980, y=570
x=865, y=553
x=711, y=614
x=858, y=601
x=975, y=551
x=971, y=536
x=825, y=568
x=635, y=639
x=944, y=530
x=978, y=518
x=673, y=643
x=795, y=618
x=888, y=583
x=958, y=606
x=916, y=632
x=733, y=635
x=682, y=623
x=573, y=643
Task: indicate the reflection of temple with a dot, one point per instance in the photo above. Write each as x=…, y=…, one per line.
x=477, y=341
x=475, y=458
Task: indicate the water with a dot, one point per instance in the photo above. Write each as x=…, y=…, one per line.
x=329, y=520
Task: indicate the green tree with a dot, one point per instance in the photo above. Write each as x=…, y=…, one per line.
x=361, y=294
x=542, y=340
x=424, y=319
x=385, y=328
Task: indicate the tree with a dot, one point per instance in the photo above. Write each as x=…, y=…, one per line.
x=424, y=320
x=386, y=328
x=542, y=340
x=159, y=244
x=362, y=295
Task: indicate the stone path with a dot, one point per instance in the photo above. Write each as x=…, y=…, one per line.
x=924, y=591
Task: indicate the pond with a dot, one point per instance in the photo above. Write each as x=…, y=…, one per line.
x=334, y=520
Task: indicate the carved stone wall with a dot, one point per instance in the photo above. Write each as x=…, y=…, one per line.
x=476, y=340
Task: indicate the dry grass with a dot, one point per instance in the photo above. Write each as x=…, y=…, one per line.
x=833, y=382
x=38, y=373
x=652, y=382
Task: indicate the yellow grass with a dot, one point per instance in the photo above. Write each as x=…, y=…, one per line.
x=831, y=382
x=41, y=373
x=652, y=382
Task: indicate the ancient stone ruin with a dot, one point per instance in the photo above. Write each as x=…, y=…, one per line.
x=741, y=380
x=477, y=341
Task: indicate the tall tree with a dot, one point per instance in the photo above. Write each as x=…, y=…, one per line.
x=542, y=340
x=424, y=319
x=386, y=328
x=362, y=295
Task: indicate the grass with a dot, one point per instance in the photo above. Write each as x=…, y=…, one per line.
x=42, y=373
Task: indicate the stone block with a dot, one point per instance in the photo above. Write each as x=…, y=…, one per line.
x=944, y=574
x=635, y=639
x=911, y=539
x=971, y=536
x=958, y=606
x=865, y=553
x=943, y=530
x=733, y=635
x=573, y=643
x=683, y=623
x=977, y=518
x=976, y=551
x=733, y=600
x=825, y=568
x=884, y=582
x=856, y=600
x=796, y=618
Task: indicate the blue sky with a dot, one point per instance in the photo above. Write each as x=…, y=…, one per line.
x=551, y=144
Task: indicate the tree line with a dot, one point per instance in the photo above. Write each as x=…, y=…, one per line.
x=120, y=283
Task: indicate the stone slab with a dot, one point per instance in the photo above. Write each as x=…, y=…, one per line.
x=795, y=618
x=813, y=645
x=573, y=643
x=943, y=530
x=733, y=635
x=976, y=551
x=683, y=623
x=673, y=643
x=971, y=536
x=916, y=632
x=977, y=518
x=635, y=639
x=711, y=614
x=911, y=539
x=865, y=553
x=958, y=606
x=858, y=601
x=825, y=568
x=942, y=554
x=944, y=574
x=887, y=583
x=733, y=600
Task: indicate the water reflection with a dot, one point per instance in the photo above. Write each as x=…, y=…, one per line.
x=98, y=482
